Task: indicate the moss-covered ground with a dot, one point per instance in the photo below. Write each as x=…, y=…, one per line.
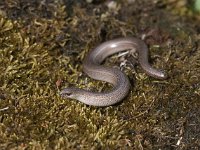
x=42, y=45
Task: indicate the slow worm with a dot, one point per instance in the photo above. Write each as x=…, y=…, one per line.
x=121, y=85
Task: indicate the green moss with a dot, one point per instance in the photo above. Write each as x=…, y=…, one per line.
x=41, y=51
x=197, y=5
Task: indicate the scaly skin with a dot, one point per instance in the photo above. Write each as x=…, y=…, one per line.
x=121, y=85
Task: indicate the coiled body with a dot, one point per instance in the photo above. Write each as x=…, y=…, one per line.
x=93, y=68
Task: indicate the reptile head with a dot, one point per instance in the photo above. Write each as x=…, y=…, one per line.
x=71, y=92
x=67, y=93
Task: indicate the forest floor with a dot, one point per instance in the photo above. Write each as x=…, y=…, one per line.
x=42, y=45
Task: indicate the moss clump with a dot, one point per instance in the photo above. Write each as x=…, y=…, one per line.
x=197, y=5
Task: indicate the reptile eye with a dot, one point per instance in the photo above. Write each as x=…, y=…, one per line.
x=68, y=94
